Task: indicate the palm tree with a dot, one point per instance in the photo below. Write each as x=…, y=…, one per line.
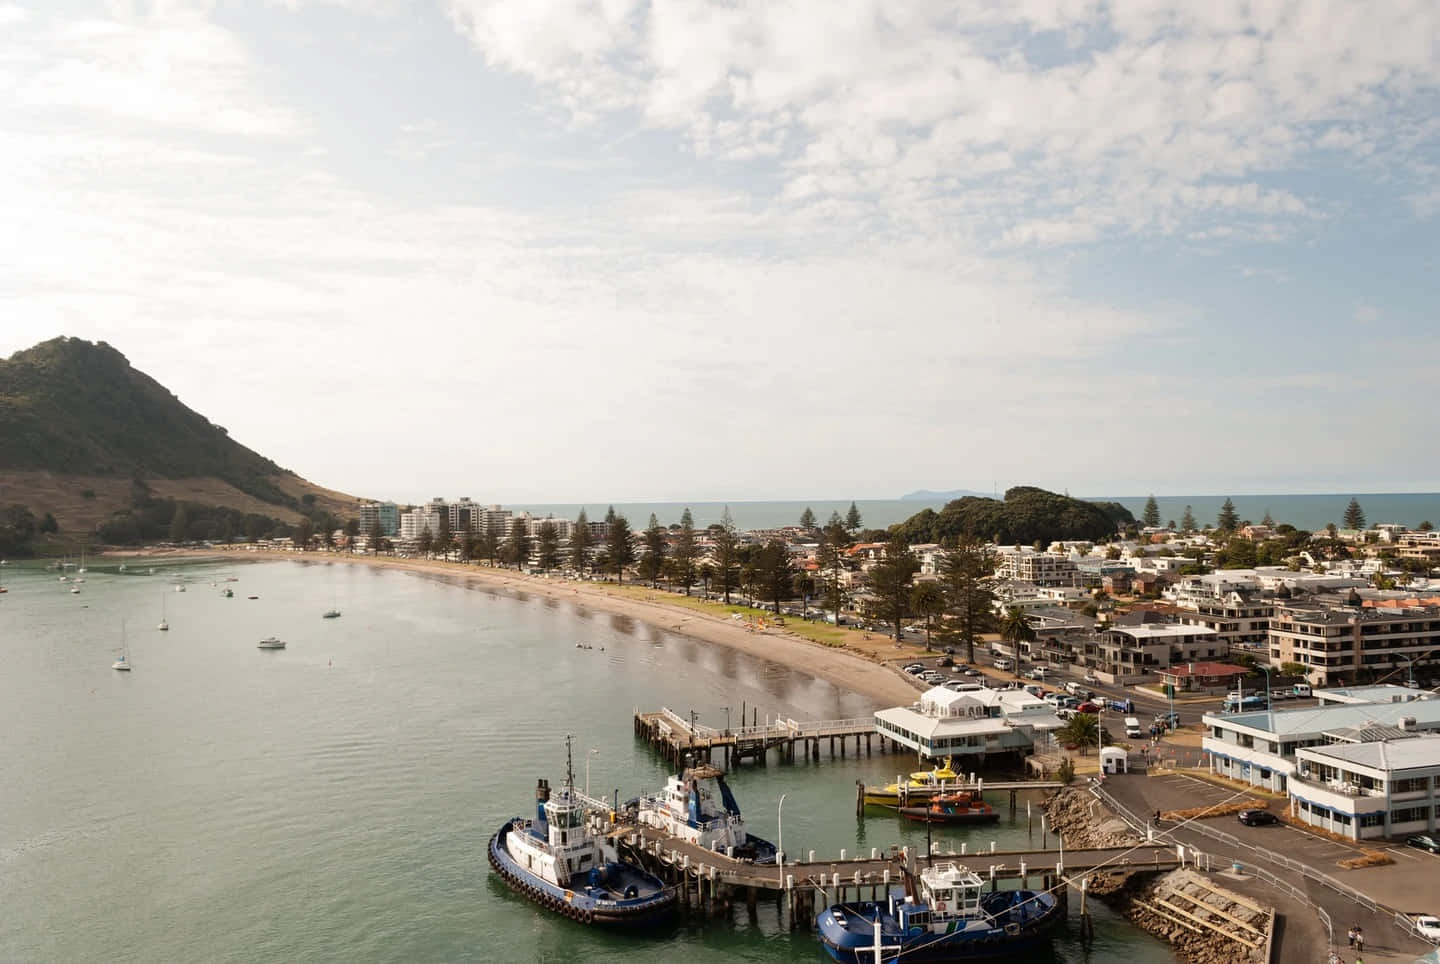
x=928, y=600
x=1082, y=730
x=1015, y=627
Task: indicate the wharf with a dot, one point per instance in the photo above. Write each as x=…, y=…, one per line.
x=674, y=737
x=709, y=882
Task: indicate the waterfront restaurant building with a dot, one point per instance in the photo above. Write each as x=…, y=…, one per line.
x=1385, y=788
x=1259, y=748
x=973, y=723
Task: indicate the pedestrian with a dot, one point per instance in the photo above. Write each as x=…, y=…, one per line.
x=1359, y=941
x=1351, y=934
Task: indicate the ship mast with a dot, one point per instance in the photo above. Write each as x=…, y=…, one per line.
x=569, y=764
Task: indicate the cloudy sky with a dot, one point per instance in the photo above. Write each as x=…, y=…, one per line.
x=555, y=250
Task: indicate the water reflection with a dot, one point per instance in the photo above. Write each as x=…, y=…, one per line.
x=622, y=624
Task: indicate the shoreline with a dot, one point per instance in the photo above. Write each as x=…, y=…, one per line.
x=860, y=674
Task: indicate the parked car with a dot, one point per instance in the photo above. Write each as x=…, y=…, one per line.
x=946, y=661
x=1065, y=713
x=1092, y=679
x=971, y=671
x=915, y=669
x=1428, y=926
x=1088, y=707
x=1423, y=841
x=1257, y=818
x=1121, y=706
x=1171, y=719
x=1003, y=664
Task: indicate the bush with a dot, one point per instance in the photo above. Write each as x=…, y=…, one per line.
x=1065, y=773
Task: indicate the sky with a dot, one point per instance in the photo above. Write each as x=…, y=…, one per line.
x=570, y=250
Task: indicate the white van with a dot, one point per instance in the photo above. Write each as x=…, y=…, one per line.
x=1003, y=664
x=1132, y=728
x=1301, y=690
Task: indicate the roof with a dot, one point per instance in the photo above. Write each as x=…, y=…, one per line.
x=1411, y=754
x=1369, y=733
x=1322, y=719
x=1163, y=630
x=1205, y=668
x=1382, y=693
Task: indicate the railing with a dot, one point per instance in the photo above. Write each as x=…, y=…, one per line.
x=778, y=729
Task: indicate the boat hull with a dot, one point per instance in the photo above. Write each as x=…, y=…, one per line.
x=640, y=912
x=1011, y=939
x=926, y=815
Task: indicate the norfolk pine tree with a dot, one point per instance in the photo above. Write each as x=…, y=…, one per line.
x=852, y=519
x=654, y=562
x=1355, y=516
x=891, y=580
x=682, y=556
x=1151, y=516
x=967, y=575
x=774, y=572
x=726, y=555
x=549, y=546
x=834, y=539
x=807, y=519
x=619, y=544
x=1187, y=521
x=517, y=549
x=928, y=599
x=580, y=544
x=1227, y=520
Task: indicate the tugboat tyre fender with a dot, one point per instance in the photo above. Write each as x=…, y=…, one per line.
x=1012, y=929
x=589, y=916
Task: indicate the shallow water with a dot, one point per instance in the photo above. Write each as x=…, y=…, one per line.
x=332, y=801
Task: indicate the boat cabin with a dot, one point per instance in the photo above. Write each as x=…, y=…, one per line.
x=947, y=893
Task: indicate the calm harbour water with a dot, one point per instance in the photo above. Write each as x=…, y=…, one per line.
x=332, y=801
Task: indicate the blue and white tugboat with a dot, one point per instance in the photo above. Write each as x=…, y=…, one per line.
x=562, y=862
x=698, y=806
x=947, y=918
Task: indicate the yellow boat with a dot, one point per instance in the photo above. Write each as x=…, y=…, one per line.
x=921, y=785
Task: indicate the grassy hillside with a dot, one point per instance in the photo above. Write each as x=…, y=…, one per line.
x=85, y=436
x=71, y=407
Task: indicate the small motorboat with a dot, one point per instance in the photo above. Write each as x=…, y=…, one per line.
x=252, y=597
x=952, y=808
x=331, y=614
x=272, y=642
x=921, y=786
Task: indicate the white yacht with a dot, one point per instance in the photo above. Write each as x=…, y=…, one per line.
x=272, y=642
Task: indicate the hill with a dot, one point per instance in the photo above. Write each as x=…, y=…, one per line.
x=927, y=495
x=83, y=436
x=1026, y=515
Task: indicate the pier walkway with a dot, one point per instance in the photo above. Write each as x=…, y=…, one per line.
x=674, y=736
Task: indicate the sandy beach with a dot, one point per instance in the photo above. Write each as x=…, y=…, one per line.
x=856, y=667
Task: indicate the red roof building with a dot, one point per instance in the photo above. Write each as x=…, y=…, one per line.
x=1203, y=676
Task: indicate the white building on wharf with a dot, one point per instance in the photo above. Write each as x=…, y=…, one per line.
x=972, y=722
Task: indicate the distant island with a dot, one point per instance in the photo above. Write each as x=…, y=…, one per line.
x=926, y=495
x=1026, y=514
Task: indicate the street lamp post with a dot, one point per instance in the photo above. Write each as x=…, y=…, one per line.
x=594, y=751
x=780, y=832
x=1266, y=670
x=727, y=719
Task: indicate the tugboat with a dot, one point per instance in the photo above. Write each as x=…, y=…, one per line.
x=945, y=918
x=560, y=861
x=698, y=806
x=922, y=785
x=953, y=808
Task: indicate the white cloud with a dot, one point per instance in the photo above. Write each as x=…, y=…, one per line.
x=1154, y=114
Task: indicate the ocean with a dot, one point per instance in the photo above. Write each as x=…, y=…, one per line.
x=1310, y=512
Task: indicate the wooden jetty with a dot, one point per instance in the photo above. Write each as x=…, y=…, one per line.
x=675, y=736
x=712, y=883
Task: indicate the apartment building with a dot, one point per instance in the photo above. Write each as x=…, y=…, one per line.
x=1334, y=643
x=1380, y=788
x=386, y=514
x=1150, y=647
x=1023, y=564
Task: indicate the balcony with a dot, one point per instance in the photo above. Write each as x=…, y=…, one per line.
x=1341, y=787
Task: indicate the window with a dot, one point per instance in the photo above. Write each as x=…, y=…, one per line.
x=1411, y=785
x=1372, y=820
x=1409, y=814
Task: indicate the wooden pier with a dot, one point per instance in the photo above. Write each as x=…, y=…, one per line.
x=675, y=737
x=711, y=883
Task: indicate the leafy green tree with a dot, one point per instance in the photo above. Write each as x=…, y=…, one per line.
x=804, y=587
x=580, y=544
x=706, y=573
x=1151, y=516
x=548, y=550
x=1427, y=526
x=1237, y=554
x=48, y=524
x=425, y=542
x=254, y=528
x=1082, y=730
x=774, y=572
x=304, y=530
x=1187, y=521
x=1354, y=516
x=1292, y=669
x=653, y=562
x=467, y=546
x=807, y=519
x=852, y=519
x=619, y=544
x=517, y=547
x=891, y=579
x=927, y=599
x=726, y=555
x=967, y=575
x=1015, y=627
x=683, y=554
x=834, y=540
x=1227, y=521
